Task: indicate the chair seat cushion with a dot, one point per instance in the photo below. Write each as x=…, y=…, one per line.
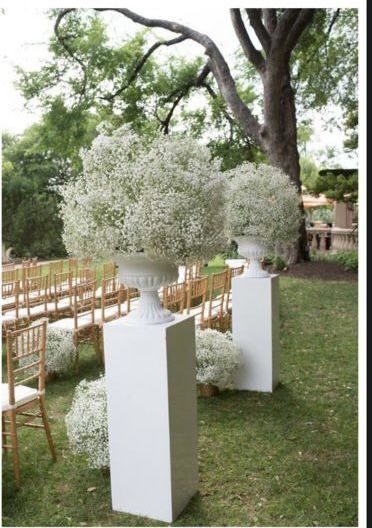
x=22, y=394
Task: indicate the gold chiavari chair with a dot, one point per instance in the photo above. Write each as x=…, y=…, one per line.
x=109, y=270
x=9, y=304
x=193, y=271
x=231, y=273
x=86, y=262
x=196, y=294
x=214, y=307
x=82, y=324
x=84, y=275
x=37, y=297
x=25, y=350
x=73, y=265
x=9, y=275
x=35, y=300
x=54, y=267
x=62, y=294
x=115, y=300
x=174, y=297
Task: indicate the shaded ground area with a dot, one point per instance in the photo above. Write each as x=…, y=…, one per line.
x=327, y=271
x=282, y=459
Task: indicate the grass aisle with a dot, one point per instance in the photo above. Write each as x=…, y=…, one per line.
x=280, y=460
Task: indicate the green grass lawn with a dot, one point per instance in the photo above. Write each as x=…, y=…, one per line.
x=286, y=459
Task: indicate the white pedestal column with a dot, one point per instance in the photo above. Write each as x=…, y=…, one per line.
x=255, y=328
x=152, y=416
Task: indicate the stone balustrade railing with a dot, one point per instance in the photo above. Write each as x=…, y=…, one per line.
x=332, y=239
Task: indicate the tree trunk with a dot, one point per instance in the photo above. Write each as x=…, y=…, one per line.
x=279, y=134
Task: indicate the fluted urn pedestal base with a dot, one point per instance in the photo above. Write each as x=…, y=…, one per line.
x=254, y=251
x=147, y=275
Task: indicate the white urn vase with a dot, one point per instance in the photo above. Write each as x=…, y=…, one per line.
x=147, y=275
x=254, y=251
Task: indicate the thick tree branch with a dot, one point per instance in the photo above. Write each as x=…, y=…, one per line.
x=269, y=17
x=254, y=16
x=217, y=64
x=284, y=24
x=141, y=63
x=302, y=21
x=252, y=54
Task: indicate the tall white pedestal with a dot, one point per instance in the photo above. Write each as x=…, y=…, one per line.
x=152, y=416
x=255, y=328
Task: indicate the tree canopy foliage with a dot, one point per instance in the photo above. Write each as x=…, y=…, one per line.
x=92, y=77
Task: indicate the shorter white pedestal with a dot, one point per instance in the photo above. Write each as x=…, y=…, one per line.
x=255, y=328
x=152, y=416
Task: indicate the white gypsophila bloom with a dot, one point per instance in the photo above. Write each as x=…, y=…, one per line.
x=60, y=351
x=86, y=423
x=263, y=204
x=216, y=358
x=165, y=196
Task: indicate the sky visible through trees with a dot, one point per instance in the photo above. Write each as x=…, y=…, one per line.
x=25, y=34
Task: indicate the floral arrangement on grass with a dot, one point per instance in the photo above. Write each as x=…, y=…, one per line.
x=263, y=204
x=162, y=195
x=216, y=358
x=60, y=351
x=86, y=423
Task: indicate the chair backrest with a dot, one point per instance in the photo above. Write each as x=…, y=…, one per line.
x=55, y=267
x=72, y=264
x=10, y=291
x=84, y=275
x=113, y=294
x=196, y=289
x=63, y=287
x=25, y=350
x=174, y=297
x=9, y=275
x=84, y=302
x=36, y=292
x=8, y=266
x=193, y=271
x=109, y=270
x=35, y=270
x=231, y=273
x=86, y=262
x=217, y=291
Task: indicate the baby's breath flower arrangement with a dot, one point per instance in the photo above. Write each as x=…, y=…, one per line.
x=263, y=204
x=162, y=195
x=60, y=351
x=86, y=423
x=216, y=358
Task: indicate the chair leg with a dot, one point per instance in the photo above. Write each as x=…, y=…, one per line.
x=3, y=431
x=47, y=428
x=14, y=445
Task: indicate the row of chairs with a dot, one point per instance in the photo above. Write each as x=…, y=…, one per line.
x=207, y=298
x=36, y=295
x=31, y=269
